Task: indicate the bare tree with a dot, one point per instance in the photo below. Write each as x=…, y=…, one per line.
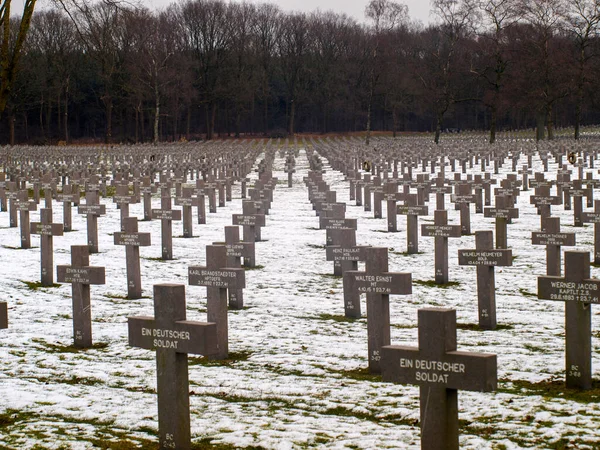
x=267, y=28
x=385, y=15
x=293, y=47
x=11, y=48
x=207, y=26
x=582, y=20
x=498, y=16
x=458, y=19
x=545, y=18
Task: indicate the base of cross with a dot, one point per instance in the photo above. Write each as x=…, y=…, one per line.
x=3, y=315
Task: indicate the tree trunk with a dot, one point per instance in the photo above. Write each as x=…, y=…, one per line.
x=549, y=122
x=394, y=121
x=156, y=113
x=292, y=117
x=66, y=118
x=438, y=127
x=109, y=107
x=540, y=123
x=266, y=108
x=493, y=119
x=11, y=128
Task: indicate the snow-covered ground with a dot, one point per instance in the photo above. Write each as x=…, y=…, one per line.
x=296, y=377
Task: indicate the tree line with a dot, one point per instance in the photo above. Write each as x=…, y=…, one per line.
x=206, y=68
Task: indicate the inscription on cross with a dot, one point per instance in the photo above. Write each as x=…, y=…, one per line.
x=578, y=292
x=173, y=337
x=81, y=275
x=440, y=371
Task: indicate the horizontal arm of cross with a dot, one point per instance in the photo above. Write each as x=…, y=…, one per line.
x=467, y=371
x=183, y=336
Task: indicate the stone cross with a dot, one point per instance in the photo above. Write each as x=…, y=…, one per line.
x=412, y=211
x=525, y=171
x=81, y=275
x=46, y=229
x=217, y=278
x=70, y=194
x=173, y=337
x=250, y=221
x=391, y=196
x=92, y=209
x=440, y=189
x=378, y=284
x=3, y=315
x=463, y=197
x=440, y=371
x=502, y=213
x=132, y=240
x=553, y=239
x=24, y=205
x=166, y=216
x=441, y=231
x=594, y=217
x=186, y=201
x=147, y=188
x=578, y=192
x=123, y=198
x=578, y=292
x=485, y=258
x=347, y=255
x=12, y=194
x=235, y=251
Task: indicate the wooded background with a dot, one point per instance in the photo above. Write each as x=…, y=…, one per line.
x=113, y=72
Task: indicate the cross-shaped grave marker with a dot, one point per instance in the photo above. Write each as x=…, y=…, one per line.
x=24, y=205
x=173, y=337
x=553, y=239
x=594, y=217
x=123, y=198
x=166, y=216
x=378, y=284
x=92, y=209
x=502, y=213
x=441, y=231
x=440, y=371
x=217, y=278
x=250, y=221
x=347, y=255
x=235, y=251
x=412, y=211
x=578, y=292
x=81, y=275
x=132, y=240
x=70, y=194
x=485, y=258
x=46, y=229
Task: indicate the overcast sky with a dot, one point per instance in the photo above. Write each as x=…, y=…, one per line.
x=417, y=9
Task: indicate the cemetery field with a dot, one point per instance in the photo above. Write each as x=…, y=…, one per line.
x=296, y=376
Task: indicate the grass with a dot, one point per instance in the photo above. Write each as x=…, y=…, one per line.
x=432, y=283
x=36, y=285
x=58, y=348
x=231, y=360
x=550, y=389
